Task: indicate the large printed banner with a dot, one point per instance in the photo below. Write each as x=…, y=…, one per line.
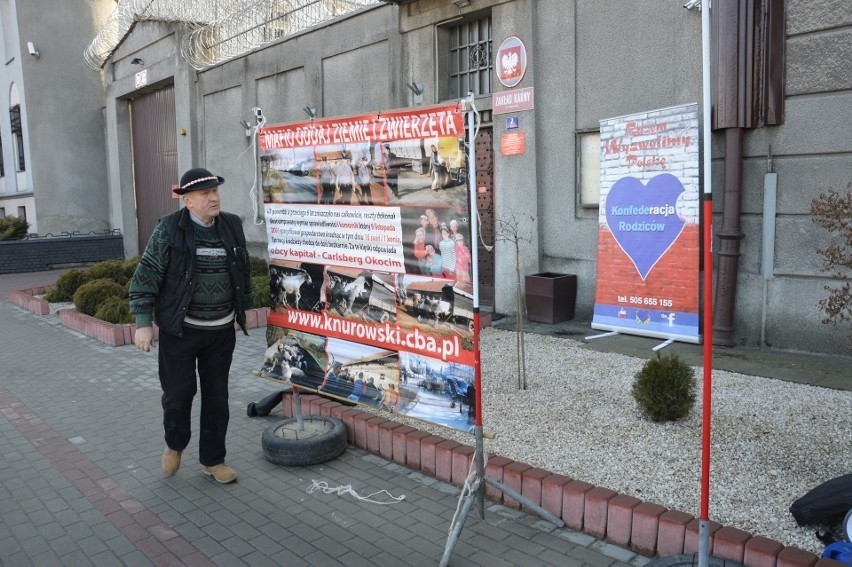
x=369, y=244
x=649, y=234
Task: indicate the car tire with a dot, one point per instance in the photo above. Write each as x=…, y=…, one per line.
x=321, y=439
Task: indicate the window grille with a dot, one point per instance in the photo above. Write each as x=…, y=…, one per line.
x=15, y=119
x=471, y=63
x=18, y=134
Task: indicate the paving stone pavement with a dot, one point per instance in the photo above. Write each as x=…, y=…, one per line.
x=80, y=445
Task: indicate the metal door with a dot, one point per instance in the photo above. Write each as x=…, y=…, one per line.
x=154, y=137
x=485, y=211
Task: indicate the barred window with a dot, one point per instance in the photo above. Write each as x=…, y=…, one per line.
x=471, y=65
x=18, y=135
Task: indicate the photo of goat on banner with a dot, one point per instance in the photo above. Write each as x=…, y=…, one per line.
x=360, y=294
x=295, y=285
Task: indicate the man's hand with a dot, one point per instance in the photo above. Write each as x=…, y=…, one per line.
x=143, y=338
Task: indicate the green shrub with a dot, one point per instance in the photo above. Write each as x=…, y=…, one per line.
x=664, y=389
x=109, y=270
x=130, y=266
x=52, y=296
x=67, y=285
x=115, y=310
x=13, y=228
x=91, y=295
x=260, y=288
x=258, y=266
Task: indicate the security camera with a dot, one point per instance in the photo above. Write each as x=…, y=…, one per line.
x=31, y=48
x=693, y=5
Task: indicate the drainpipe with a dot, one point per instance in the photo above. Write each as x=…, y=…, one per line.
x=729, y=241
x=748, y=92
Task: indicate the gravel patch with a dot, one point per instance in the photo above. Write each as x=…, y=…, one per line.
x=771, y=441
x=56, y=306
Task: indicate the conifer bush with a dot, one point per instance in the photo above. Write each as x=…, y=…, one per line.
x=665, y=388
x=102, y=290
x=260, y=289
x=13, y=228
x=258, y=266
x=115, y=310
x=130, y=266
x=67, y=285
x=109, y=270
x=92, y=294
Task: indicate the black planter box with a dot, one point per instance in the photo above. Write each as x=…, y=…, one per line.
x=551, y=297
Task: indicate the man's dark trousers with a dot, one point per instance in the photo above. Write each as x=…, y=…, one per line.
x=213, y=351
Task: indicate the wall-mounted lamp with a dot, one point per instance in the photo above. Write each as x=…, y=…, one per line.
x=461, y=3
x=245, y=124
x=136, y=61
x=310, y=111
x=31, y=48
x=417, y=90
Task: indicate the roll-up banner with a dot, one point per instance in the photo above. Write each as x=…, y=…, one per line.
x=368, y=234
x=648, y=225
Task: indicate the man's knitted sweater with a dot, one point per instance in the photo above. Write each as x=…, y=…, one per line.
x=211, y=306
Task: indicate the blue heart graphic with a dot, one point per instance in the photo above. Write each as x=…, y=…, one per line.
x=642, y=218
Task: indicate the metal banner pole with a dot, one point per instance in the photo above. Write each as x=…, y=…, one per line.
x=704, y=515
x=476, y=485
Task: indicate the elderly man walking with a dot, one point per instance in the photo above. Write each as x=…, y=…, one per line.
x=194, y=281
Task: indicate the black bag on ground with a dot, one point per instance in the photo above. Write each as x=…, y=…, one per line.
x=826, y=503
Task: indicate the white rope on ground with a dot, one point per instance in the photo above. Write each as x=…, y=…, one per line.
x=321, y=485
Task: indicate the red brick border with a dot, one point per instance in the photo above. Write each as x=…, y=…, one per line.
x=671, y=538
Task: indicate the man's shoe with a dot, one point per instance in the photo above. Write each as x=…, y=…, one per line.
x=170, y=461
x=220, y=473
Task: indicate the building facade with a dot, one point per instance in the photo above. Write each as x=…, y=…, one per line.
x=52, y=151
x=586, y=62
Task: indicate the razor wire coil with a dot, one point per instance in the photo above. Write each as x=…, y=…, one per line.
x=217, y=30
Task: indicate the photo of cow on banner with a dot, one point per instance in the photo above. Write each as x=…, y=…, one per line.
x=370, y=264
x=649, y=230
